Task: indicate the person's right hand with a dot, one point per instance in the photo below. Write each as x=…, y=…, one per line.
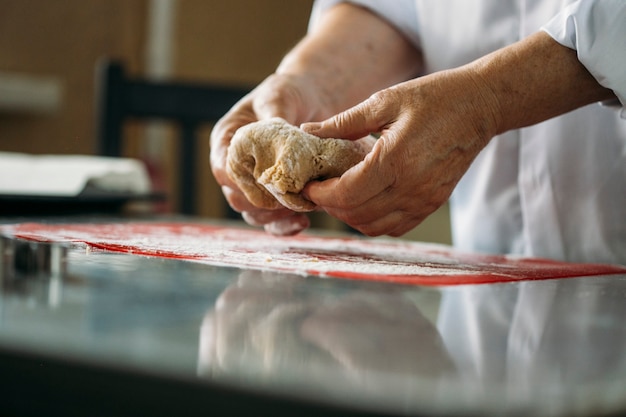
x=294, y=99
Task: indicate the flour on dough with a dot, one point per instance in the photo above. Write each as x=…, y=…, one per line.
x=271, y=161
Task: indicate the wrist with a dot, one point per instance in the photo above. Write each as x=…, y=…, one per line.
x=345, y=64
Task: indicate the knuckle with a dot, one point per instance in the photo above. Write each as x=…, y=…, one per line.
x=380, y=100
x=342, y=120
x=377, y=99
x=387, y=101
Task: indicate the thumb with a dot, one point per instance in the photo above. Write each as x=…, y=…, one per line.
x=354, y=123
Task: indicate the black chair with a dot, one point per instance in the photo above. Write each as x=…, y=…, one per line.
x=122, y=98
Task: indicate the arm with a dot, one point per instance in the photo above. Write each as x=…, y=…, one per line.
x=347, y=56
x=594, y=29
x=434, y=126
x=535, y=80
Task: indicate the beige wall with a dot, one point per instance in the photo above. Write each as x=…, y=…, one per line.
x=62, y=40
x=236, y=41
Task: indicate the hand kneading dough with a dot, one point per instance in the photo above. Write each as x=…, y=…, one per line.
x=271, y=161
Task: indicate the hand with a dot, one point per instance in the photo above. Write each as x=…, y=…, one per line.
x=254, y=324
x=431, y=130
x=377, y=331
x=434, y=126
x=286, y=96
x=273, y=322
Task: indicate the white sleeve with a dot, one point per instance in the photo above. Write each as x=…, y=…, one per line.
x=596, y=29
x=400, y=13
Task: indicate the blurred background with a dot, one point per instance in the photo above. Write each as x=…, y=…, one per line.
x=49, y=51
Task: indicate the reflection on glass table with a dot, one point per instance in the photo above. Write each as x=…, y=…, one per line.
x=557, y=345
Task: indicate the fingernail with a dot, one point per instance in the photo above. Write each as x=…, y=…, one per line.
x=287, y=227
x=310, y=127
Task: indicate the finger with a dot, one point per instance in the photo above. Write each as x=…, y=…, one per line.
x=261, y=217
x=359, y=121
x=340, y=193
x=372, y=218
x=394, y=224
x=381, y=217
x=220, y=139
x=349, y=210
x=383, y=213
x=221, y=135
x=321, y=193
x=288, y=226
x=237, y=200
x=404, y=228
x=356, y=186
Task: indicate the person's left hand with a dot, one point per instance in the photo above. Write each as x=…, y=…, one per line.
x=431, y=130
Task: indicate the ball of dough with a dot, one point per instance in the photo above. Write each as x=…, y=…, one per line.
x=271, y=161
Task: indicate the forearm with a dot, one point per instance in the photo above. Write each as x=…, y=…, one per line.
x=351, y=54
x=534, y=80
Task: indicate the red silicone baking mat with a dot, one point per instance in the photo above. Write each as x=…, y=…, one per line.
x=350, y=258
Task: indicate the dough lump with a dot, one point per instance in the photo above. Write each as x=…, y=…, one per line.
x=271, y=161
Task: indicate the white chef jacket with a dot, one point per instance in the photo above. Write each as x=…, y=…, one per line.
x=556, y=189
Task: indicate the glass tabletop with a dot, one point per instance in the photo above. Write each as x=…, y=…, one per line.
x=550, y=347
